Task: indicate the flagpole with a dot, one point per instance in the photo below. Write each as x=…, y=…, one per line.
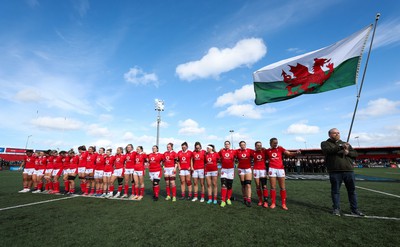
x=362, y=80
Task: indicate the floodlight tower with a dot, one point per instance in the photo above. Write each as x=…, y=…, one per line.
x=158, y=106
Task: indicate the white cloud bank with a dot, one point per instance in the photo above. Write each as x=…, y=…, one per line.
x=217, y=61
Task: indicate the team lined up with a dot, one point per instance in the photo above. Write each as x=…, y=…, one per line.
x=98, y=171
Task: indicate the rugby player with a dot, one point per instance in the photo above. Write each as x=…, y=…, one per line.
x=155, y=159
x=118, y=172
x=108, y=170
x=260, y=174
x=65, y=162
x=170, y=166
x=276, y=170
x=89, y=171
x=244, y=156
x=198, y=162
x=227, y=156
x=48, y=172
x=29, y=168
x=138, y=174
x=212, y=174
x=184, y=165
x=40, y=166
x=130, y=155
x=98, y=171
x=73, y=170
x=82, y=167
x=57, y=171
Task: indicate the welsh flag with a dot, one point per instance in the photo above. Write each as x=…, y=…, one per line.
x=318, y=71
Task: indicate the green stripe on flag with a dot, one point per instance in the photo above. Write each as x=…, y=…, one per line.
x=343, y=75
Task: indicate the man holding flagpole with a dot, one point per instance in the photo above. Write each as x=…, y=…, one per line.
x=339, y=160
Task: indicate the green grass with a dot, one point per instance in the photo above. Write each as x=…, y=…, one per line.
x=393, y=173
x=88, y=221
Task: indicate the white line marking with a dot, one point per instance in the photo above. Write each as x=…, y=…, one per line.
x=377, y=191
x=372, y=217
x=35, y=203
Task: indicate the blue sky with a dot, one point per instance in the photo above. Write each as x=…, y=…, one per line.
x=88, y=72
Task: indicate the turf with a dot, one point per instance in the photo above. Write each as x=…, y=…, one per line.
x=83, y=221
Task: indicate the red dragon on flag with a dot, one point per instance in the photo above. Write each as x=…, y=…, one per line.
x=302, y=78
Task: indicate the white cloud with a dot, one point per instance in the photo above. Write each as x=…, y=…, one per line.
x=137, y=76
x=213, y=138
x=57, y=123
x=379, y=107
x=28, y=95
x=302, y=128
x=388, y=34
x=243, y=94
x=97, y=131
x=246, y=111
x=190, y=127
x=392, y=135
x=217, y=61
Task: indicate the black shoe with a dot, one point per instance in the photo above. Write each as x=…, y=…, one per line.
x=182, y=198
x=248, y=203
x=155, y=198
x=336, y=212
x=357, y=213
x=188, y=198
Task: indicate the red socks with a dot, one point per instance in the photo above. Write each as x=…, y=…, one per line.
x=273, y=196
x=66, y=185
x=265, y=194
x=168, y=191
x=174, y=191
x=283, y=197
x=259, y=195
x=229, y=194
x=224, y=192
x=126, y=189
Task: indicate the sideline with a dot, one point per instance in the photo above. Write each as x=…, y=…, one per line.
x=36, y=203
x=372, y=217
x=377, y=191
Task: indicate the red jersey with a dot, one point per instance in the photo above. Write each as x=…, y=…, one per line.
x=30, y=161
x=212, y=162
x=155, y=162
x=41, y=162
x=50, y=162
x=109, y=163
x=139, y=161
x=119, y=161
x=73, y=162
x=199, y=159
x=227, y=158
x=57, y=162
x=244, y=157
x=100, y=161
x=130, y=160
x=91, y=160
x=82, y=159
x=259, y=159
x=275, y=156
x=170, y=158
x=184, y=159
x=65, y=162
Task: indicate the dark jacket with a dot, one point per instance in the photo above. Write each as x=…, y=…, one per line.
x=335, y=161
